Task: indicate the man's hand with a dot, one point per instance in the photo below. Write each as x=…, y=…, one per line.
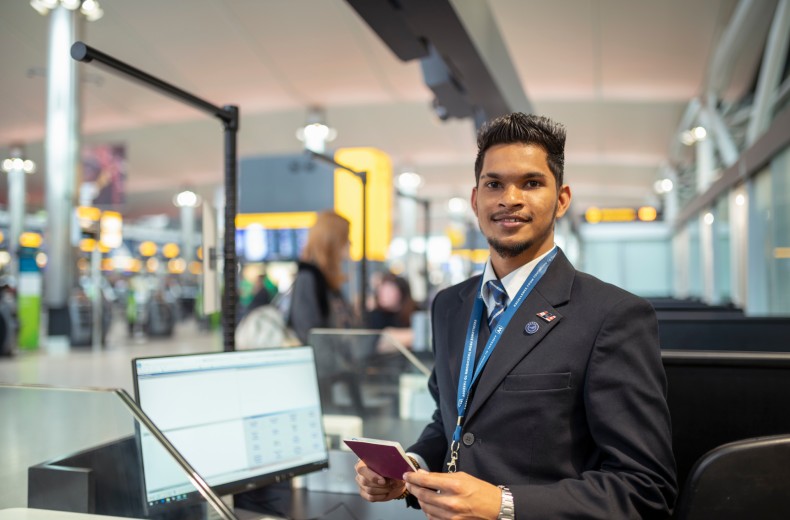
x=454, y=495
x=375, y=488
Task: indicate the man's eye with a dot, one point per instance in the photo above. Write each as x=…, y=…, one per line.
x=533, y=184
x=492, y=184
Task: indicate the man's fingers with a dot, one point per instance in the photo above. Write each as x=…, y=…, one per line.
x=369, y=475
x=422, y=478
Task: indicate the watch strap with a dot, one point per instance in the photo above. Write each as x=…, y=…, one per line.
x=507, y=509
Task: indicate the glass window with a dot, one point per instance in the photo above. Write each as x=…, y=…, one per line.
x=721, y=250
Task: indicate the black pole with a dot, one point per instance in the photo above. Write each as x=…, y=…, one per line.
x=426, y=205
x=363, y=268
x=87, y=54
x=229, y=296
x=229, y=115
x=363, y=265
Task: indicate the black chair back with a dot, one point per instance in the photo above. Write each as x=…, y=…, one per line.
x=740, y=480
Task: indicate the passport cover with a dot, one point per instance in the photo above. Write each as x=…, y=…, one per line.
x=386, y=458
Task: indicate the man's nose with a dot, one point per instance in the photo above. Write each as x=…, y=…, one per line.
x=511, y=196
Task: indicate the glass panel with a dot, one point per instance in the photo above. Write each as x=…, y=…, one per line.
x=371, y=385
x=721, y=250
x=78, y=450
x=779, y=242
x=694, y=258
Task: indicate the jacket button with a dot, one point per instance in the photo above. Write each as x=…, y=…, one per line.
x=469, y=439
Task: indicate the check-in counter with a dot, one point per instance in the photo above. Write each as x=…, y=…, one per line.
x=76, y=451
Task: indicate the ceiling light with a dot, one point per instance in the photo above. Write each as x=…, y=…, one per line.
x=316, y=133
x=186, y=198
x=662, y=186
x=409, y=180
x=699, y=133
x=740, y=200
x=708, y=218
x=687, y=138
x=89, y=8
x=92, y=10
x=15, y=162
x=457, y=205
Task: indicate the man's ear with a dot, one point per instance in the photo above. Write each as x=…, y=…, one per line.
x=474, y=200
x=563, y=200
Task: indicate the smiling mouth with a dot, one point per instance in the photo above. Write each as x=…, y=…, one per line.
x=511, y=219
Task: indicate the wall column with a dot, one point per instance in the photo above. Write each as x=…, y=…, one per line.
x=61, y=158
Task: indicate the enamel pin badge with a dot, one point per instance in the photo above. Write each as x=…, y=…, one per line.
x=547, y=316
x=532, y=327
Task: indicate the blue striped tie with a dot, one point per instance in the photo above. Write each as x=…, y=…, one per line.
x=497, y=291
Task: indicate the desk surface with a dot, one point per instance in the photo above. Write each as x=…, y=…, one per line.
x=281, y=500
x=23, y=513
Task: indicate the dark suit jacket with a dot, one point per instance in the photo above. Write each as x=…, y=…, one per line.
x=573, y=418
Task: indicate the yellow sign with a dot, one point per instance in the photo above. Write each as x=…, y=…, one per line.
x=645, y=213
x=111, y=229
x=29, y=239
x=176, y=265
x=476, y=256
x=348, y=199
x=88, y=213
x=147, y=248
x=170, y=250
x=152, y=265
x=295, y=220
x=87, y=245
x=782, y=252
x=195, y=267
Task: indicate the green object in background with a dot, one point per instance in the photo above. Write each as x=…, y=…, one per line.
x=29, y=310
x=246, y=292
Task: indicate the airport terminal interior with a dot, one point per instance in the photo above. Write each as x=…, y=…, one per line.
x=164, y=162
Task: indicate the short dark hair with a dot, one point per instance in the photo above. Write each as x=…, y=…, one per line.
x=527, y=129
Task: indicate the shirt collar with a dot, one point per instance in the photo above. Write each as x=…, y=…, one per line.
x=512, y=282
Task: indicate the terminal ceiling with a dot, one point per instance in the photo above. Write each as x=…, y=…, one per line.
x=619, y=74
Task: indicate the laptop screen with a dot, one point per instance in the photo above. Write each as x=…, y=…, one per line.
x=241, y=419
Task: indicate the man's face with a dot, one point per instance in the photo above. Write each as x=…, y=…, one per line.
x=516, y=202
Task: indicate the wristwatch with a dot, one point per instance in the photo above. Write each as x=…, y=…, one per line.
x=507, y=510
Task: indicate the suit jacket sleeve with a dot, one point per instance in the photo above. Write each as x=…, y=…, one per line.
x=625, y=389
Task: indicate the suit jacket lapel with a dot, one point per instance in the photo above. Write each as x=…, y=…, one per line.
x=515, y=343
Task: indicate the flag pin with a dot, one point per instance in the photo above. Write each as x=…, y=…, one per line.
x=547, y=316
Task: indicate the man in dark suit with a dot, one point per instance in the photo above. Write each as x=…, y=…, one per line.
x=559, y=409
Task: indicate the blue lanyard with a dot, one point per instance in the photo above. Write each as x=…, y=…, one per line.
x=472, y=332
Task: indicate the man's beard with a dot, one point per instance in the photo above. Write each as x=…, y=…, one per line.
x=509, y=251
x=514, y=250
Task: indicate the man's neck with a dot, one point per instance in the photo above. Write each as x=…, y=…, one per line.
x=503, y=266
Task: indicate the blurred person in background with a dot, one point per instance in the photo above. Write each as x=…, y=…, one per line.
x=264, y=292
x=317, y=300
x=392, y=310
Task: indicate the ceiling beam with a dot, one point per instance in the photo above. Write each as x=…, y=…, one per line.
x=465, y=61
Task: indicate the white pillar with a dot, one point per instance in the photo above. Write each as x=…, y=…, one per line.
x=704, y=157
x=16, y=205
x=61, y=155
x=739, y=240
x=188, y=232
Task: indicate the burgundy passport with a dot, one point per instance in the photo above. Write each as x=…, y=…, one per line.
x=386, y=458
